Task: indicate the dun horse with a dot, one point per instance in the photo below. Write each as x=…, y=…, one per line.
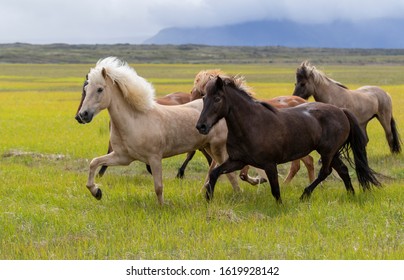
x=365, y=102
x=204, y=76
x=279, y=136
x=142, y=129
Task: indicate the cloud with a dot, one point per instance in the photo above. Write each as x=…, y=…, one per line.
x=213, y=12
x=123, y=21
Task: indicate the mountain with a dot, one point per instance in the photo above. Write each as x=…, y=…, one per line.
x=380, y=33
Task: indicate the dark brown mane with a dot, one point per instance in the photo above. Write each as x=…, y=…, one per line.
x=268, y=106
x=232, y=83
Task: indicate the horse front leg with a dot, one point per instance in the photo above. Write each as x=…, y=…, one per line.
x=157, y=172
x=226, y=167
x=272, y=174
x=107, y=160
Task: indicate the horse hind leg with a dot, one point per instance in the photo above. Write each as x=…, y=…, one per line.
x=390, y=129
x=395, y=145
x=324, y=172
x=309, y=163
x=247, y=178
x=181, y=170
x=294, y=168
x=343, y=172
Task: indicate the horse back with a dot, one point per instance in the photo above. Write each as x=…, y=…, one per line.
x=319, y=119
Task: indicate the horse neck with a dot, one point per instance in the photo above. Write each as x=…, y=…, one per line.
x=120, y=111
x=328, y=93
x=240, y=114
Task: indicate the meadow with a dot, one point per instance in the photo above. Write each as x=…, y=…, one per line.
x=46, y=212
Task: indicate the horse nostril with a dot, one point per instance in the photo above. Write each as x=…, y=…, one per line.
x=202, y=128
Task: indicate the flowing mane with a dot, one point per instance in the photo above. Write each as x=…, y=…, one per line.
x=138, y=92
x=234, y=83
x=204, y=76
x=306, y=69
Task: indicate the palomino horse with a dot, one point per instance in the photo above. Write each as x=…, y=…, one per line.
x=204, y=76
x=263, y=136
x=175, y=98
x=142, y=129
x=365, y=102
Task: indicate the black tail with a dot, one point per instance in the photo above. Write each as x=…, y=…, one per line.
x=357, y=141
x=396, y=144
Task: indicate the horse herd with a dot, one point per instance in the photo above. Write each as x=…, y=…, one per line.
x=221, y=118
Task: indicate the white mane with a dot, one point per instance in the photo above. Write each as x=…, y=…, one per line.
x=136, y=90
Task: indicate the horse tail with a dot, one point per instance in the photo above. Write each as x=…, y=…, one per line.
x=357, y=141
x=396, y=143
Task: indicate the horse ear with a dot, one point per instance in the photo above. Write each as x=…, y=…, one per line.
x=104, y=73
x=219, y=82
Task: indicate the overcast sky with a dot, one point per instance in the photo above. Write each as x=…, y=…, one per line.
x=133, y=21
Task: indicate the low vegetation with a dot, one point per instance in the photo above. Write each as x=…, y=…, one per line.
x=46, y=212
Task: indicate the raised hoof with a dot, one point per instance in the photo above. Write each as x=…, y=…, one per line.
x=262, y=181
x=98, y=195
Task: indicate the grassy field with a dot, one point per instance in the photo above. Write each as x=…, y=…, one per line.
x=46, y=212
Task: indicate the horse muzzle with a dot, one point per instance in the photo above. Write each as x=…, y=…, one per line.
x=203, y=128
x=84, y=117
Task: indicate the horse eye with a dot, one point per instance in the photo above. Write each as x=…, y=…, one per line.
x=302, y=84
x=99, y=90
x=217, y=99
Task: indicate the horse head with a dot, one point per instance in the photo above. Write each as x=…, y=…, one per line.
x=94, y=97
x=83, y=96
x=200, y=81
x=214, y=105
x=304, y=86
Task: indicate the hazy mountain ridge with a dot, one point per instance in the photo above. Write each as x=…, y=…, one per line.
x=380, y=33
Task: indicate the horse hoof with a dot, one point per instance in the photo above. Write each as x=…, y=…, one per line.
x=262, y=181
x=208, y=196
x=180, y=175
x=98, y=195
x=305, y=197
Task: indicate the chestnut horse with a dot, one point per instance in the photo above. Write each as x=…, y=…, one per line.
x=366, y=102
x=263, y=136
x=204, y=76
x=142, y=129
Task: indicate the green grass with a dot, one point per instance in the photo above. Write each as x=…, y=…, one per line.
x=46, y=212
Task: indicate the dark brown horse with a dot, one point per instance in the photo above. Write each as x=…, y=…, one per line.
x=263, y=136
x=204, y=76
x=176, y=98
